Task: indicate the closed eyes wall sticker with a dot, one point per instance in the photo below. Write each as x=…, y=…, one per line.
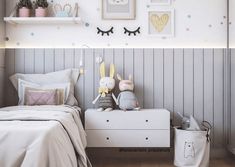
x=129, y=32
x=102, y=32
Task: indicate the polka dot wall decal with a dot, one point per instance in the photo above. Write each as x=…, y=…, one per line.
x=126, y=44
x=224, y=17
x=17, y=43
x=221, y=23
x=148, y=6
x=87, y=24
x=6, y=39
x=210, y=25
x=187, y=29
x=32, y=34
x=189, y=16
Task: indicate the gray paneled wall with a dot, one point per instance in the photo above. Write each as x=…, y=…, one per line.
x=232, y=114
x=189, y=81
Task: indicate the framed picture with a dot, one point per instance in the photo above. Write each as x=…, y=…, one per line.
x=118, y=9
x=161, y=23
x=160, y=2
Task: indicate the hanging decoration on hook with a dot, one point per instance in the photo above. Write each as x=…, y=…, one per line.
x=102, y=32
x=129, y=32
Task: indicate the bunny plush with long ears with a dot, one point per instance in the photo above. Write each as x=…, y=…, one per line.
x=107, y=84
x=127, y=99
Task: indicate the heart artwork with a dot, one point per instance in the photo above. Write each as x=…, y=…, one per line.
x=159, y=22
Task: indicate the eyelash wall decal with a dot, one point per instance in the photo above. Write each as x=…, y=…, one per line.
x=99, y=31
x=132, y=32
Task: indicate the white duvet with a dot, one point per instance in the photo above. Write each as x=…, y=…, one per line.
x=42, y=136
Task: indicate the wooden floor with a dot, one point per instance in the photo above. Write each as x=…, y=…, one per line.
x=122, y=162
x=102, y=159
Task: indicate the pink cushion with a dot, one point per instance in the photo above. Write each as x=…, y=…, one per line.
x=41, y=97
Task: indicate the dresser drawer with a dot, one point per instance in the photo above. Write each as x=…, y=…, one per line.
x=148, y=119
x=128, y=138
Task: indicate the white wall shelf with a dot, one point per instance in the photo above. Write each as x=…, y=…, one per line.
x=43, y=20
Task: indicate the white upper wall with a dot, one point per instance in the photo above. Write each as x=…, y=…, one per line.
x=198, y=24
x=232, y=25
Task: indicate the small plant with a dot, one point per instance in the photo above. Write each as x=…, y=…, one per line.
x=41, y=3
x=24, y=3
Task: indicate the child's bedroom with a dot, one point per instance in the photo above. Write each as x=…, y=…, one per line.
x=117, y=83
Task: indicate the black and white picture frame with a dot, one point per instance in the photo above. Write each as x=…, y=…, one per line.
x=118, y=9
x=160, y=2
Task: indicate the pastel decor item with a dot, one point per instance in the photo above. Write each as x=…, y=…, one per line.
x=107, y=84
x=41, y=8
x=24, y=7
x=159, y=22
x=126, y=98
x=40, y=12
x=64, y=11
x=24, y=12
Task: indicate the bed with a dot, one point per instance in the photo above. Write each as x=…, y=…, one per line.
x=45, y=129
x=42, y=136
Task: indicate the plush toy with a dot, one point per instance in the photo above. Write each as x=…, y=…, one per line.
x=127, y=99
x=106, y=96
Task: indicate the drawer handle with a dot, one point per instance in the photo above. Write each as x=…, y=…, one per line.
x=107, y=138
x=146, y=138
x=107, y=120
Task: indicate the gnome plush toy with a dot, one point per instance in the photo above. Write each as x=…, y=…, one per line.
x=127, y=99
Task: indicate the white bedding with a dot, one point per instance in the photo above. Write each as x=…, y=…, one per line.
x=42, y=136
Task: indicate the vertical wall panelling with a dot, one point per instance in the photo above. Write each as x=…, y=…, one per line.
x=209, y=87
x=98, y=53
x=29, y=61
x=168, y=80
x=129, y=63
x=218, y=98
x=59, y=59
x=189, y=81
x=11, y=98
x=49, y=60
x=148, y=78
x=139, y=75
x=178, y=84
x=20, y=60
x=159, y=78
x=89, y=78
x=79, y=88
x=198, y=84
x=39, y=61
x=68, y=58
x=232, y=118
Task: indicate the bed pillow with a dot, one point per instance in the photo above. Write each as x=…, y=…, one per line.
x=69, y=75
x=64, y=89
x=42, y=97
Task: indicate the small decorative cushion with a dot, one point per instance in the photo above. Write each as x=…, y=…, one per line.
x=22, y=85
x=42, y=97
x=58, y=77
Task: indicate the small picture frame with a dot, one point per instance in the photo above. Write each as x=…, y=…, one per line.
x=160, y=2
x=161, y=23
x=118, y=9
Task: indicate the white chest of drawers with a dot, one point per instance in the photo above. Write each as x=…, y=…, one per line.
x=145, y=128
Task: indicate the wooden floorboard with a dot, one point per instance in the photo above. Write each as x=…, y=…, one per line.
x=164, y=159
